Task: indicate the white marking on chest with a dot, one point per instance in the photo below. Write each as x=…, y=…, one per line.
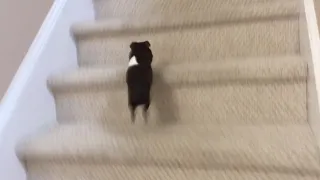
x=133, y=61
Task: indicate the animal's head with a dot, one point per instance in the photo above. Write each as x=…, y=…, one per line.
x=142, y=51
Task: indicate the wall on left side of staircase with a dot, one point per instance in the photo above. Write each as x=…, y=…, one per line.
x=28, y=107
x=20, y=21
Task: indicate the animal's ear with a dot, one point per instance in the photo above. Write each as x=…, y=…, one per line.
x=147, y=43
x=133, y=44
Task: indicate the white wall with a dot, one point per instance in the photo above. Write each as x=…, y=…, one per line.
x=310, y=49
x=28, y=106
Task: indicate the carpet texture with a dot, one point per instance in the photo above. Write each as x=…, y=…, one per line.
x=141, y=8
x=229, y=99
x=213, y=92
x=181, y=145
x=100, y=46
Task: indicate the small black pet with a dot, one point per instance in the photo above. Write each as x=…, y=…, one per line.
x=139, y=78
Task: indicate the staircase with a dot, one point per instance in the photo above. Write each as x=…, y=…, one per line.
x=229, y=99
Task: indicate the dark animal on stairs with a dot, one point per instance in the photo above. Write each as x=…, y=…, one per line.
x=139, y=78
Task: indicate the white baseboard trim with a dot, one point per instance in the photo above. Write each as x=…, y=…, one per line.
x=310, y=49
x=28, y=104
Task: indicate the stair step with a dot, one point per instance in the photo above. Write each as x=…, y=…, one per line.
x=290, y=147
x=89, y=171
x=241, y=69
x=240, y=91
x=239, y=31
x=141, y=9
x=229, y=14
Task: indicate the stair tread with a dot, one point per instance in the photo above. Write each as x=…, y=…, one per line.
x=289, y=146
x=259, y=69
x=224, y=14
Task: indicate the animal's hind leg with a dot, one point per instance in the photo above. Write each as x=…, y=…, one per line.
x=133, y=112
x=145, y=112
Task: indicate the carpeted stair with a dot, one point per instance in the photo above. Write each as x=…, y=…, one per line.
x=229, y=99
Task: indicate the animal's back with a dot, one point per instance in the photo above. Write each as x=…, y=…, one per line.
x=139, y=81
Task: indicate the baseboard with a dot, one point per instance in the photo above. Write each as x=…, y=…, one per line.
x=310, y=49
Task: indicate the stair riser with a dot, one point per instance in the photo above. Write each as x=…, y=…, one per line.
x=229, y=103
x=88, y=171
x=141, y=9
x=264, y=38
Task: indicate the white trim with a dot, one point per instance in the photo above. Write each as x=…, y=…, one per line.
x=310, y=48
x=28, y=105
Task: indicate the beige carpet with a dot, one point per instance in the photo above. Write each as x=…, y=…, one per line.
x=229, y=99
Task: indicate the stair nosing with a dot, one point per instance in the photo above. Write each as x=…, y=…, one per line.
x=293, y=69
